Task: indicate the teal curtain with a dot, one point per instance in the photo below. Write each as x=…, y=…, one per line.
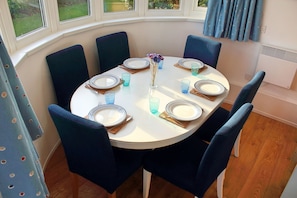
x=21, y=174
x=234, y=19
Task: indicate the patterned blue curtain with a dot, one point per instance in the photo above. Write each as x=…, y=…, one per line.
x=21, y=174
x=234, y=19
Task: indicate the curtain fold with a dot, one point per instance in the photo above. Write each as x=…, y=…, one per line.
x=21, y=174
x=234, y=19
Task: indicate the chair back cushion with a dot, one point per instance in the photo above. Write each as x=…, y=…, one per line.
x=87, y=146
x=68, y=69
x=216, y=156
x=112, y=49
x=248, y=92
x=203, y=49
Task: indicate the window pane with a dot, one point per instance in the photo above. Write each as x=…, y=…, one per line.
x=163, y=4
x=26, y=16
x=202, y=3
x=118, y=5
x=70, y=9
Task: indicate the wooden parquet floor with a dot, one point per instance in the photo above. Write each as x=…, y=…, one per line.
x=268, y=155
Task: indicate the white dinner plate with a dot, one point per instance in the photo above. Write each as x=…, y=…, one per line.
x=209, y=87
x=104, y=81
x=183, y=110
x=187, y=62
x=136, y=63
x=108, y=115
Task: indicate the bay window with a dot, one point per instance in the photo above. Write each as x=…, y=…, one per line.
x=27, y=21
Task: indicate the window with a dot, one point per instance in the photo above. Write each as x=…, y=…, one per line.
x=27, y=16
x=118, y=5
x=200, y=8
x=28, y=21
x=164, y=4
x=70, y=9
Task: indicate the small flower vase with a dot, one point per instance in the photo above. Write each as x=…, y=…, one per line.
x=154, y=69
x=155, y=60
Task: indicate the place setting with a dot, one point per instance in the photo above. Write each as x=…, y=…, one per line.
x=181, y=112
x=208, y=89
x=113, y=117
x=103, y=82
x=134, y=65
x=194, y=65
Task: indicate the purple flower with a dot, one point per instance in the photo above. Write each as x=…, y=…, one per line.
x=155, y=57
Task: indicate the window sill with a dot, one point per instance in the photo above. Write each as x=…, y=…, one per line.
x=20, y=54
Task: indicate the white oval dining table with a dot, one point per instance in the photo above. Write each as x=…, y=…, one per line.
x=147, y=130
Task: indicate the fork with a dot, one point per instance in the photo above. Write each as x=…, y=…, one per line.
x=174, y=120
x=128, y=119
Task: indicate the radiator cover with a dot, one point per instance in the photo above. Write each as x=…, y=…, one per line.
x=279, y=65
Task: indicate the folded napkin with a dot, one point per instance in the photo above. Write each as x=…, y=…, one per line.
x=200, y=70
x=132, y=71
x=102, y=91
x=118, y=127
x=182, y=124
x=197, y=93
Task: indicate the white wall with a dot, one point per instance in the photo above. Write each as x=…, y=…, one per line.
x=167, y=37
x=279, y=20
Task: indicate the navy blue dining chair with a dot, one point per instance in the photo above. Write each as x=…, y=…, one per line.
x=113, y=50
x=203, y=49
x=89, y=152
x=68, y=69
x=193, y=165
x=221, y=115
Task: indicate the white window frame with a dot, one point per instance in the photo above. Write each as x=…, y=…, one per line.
x=53, y=25
x=76, y=22
x=199, y=12
x=14, y=43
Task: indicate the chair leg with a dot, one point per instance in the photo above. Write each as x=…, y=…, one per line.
x=236, y=144
x=146, y=183
x=74, y=179
x=220, y=183
x=113, y=195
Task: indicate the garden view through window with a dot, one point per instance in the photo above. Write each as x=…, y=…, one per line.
x=163, y=4
x=202, y=3
x=27, y=16
x=118, y=5
x=124, y=5
x=71, y=9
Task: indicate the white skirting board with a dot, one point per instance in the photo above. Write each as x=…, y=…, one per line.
x=290, y=190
